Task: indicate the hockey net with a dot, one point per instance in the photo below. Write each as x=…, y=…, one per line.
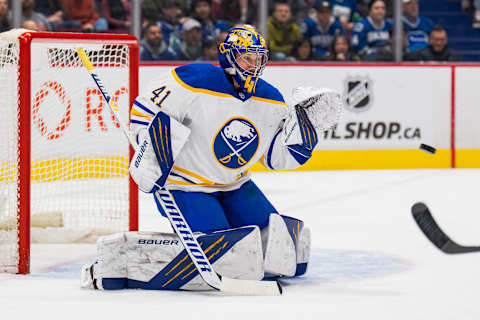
x=63, y=157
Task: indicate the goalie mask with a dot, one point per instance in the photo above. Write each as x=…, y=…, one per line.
x=243, y=46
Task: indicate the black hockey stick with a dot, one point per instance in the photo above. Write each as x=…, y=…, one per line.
x=430, y=228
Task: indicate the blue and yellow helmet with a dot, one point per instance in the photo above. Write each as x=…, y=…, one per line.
x=240, y=42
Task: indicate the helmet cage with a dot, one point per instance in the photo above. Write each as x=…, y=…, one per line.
x=238, y=53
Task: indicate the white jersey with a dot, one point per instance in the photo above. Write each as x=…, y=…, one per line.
x=229, y=131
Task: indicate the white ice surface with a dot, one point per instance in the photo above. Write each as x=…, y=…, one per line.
x=369, y=259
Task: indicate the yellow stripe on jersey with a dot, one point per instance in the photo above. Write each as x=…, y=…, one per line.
x=206, y=182
x=137, y=113
x=262, y=161
x=192, y=174
x=269, y=101
x=186, y=86
x=186, y=183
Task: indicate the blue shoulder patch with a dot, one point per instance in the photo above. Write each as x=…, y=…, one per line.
x=212, y=78
x=204, y=76
x=266, y=91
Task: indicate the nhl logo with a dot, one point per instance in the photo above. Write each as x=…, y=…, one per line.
x=358, y=94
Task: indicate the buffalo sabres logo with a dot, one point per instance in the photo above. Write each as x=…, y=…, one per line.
x=358, y=94
x=236, y=143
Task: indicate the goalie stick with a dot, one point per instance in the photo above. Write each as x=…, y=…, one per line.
x=180, y=225
x=430, y=228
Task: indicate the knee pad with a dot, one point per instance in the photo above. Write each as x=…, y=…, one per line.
x=286, y=246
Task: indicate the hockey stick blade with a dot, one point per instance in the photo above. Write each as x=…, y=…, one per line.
x=251, y=287
x=434, y=233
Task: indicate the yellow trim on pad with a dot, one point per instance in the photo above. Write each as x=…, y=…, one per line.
x=373, y=159
x=137, y=113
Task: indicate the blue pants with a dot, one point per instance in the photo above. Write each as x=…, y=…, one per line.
x=207, y=212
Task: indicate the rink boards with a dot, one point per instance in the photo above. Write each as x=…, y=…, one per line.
x=389, y=111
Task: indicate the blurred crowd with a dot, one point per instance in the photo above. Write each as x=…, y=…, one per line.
x=297, y=30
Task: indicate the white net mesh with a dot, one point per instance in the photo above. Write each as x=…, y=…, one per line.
x=8, y=150
x=79, y=156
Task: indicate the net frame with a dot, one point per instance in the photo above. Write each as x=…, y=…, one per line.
x=24, y=127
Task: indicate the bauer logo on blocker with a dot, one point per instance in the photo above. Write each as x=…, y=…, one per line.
x=358, y=94
x=236, y=143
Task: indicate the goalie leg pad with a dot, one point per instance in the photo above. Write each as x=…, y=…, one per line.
x=278, y=248
x=286, y=246
x=301, y=239
x=158, y=261
x=109, y=272
x=303, y=251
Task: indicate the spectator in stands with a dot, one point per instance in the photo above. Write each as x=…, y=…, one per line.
x=209, y=50
x=299, y=8
x=153, y=10
x=152, y=46
x=372, y=34
x=363, y=7
x=418, y=27
x=117, y=14
x=476, y=14
x=184, y=7
x=340, y=50
x=222, y=36
x=346, y=12
x=321, y=29
x=386, y=53
x=437, y=50
x=52, y=9
x=82, y=14
x=467, y=5
x=30, y=25
x=28, y=13
x=302, y=51
x=191, y=46
x=170, y=23
x=234, y=11
x=389, y=4
x=282, y=32
x=201, y=10
x=4, y=16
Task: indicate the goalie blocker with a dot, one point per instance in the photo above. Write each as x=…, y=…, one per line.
x=158, y=146
x=158, y=261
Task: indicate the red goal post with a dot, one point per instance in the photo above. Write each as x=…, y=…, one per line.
x=65, y=161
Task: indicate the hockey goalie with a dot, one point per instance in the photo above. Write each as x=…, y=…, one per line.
x=199, y=129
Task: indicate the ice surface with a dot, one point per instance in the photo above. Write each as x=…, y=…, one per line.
x=369, y=260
